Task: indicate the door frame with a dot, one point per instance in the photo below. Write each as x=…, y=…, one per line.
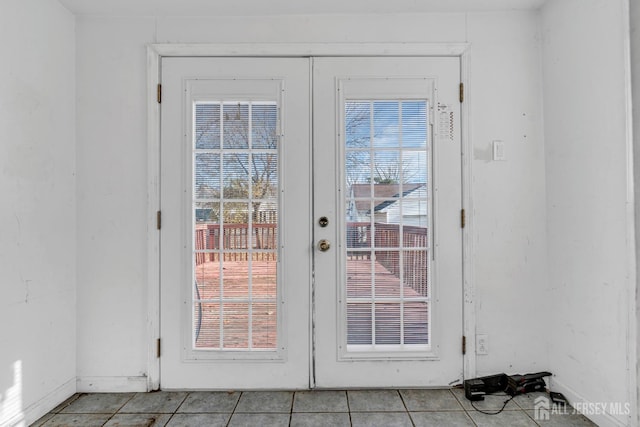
x=155, y=52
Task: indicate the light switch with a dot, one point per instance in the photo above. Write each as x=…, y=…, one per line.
x=498, y=151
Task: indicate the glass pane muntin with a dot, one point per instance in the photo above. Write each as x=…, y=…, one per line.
x=387, y=213
x=235, y=220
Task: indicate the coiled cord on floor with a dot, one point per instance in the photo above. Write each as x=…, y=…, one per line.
x=492, y=413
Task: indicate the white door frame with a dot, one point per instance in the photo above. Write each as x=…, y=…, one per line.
x=156, y=51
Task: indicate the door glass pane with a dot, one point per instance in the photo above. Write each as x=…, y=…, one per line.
x=235, y=125
x=207, y=126
x=387, y=211
x=235, y=225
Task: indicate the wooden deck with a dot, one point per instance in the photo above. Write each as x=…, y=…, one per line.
x=235, y=285
x=388, y=315
x=262, y=330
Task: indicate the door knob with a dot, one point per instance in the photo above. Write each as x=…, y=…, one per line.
x=324, y=245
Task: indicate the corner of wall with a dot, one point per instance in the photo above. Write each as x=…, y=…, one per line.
x=590, y=216
x=37, y=222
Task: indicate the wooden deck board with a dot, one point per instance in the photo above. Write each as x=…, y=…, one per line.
x=235, y=284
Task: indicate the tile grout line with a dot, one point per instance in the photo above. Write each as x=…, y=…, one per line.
x=348, y=407
x=520, y=409
x=526, y=411
x=175, y=411
x=233, y=411
x=119, y=409
x=68, y=402
x=293, y=399
x=463, y=408
x=406, y=408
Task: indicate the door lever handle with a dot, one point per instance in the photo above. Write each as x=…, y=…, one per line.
x=324, y=245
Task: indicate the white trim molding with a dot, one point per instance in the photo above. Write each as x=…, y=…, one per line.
x=632, y=277
x=468, y=252
x=153, y=207
x=155, y=53
x=310, y=49
x=111, y=384
x=576, y=400
x=40, y=408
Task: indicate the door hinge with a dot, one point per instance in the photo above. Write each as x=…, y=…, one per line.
x=461, y=92
x=464, y=345
x=158, y=220
x=158, y=347
x=159, y=93
x=463, y=218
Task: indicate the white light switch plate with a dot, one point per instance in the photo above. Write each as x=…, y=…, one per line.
x=498, y=151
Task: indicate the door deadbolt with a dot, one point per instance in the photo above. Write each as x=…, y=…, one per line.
x=323, y=221
x=324, y=245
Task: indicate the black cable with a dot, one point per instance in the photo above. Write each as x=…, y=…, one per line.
x=493, y=413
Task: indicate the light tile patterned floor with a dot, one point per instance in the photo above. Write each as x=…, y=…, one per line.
x=368, y=408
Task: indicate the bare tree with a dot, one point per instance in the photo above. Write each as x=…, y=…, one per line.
x=253, y=174
x=394, y=172
x=357, y=135
x=247, y=174
x=358, y=138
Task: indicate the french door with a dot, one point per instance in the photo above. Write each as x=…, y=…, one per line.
x=387, y=170
x=259, y=290
x=236, y=208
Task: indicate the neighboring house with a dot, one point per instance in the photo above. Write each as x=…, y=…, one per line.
x=414, y=208
x=386, y=208
x=268, y=212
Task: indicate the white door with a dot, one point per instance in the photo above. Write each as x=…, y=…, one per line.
x=387, y=199
x=239, y=308
x=236, y=231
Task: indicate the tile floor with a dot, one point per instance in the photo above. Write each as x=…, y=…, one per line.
x=386, y=408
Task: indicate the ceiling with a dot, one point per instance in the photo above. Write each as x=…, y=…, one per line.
x=286, y=7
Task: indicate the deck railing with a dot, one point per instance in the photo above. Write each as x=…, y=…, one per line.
x=261, y=243
x=414, y=250
x=236, y=242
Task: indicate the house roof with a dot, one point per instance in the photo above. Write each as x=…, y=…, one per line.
x=389, y=193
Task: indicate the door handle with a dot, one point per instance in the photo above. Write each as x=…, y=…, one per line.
x=324, y=245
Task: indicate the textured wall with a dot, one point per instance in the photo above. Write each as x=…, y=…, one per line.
x=590, y=229
x=38, y=210
x=506, y=104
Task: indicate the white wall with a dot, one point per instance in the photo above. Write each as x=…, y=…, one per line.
x=590, y=231
x=506, y=103
x=509, y=196
x=553, y=267
x=112, y=191
x=37, y=212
